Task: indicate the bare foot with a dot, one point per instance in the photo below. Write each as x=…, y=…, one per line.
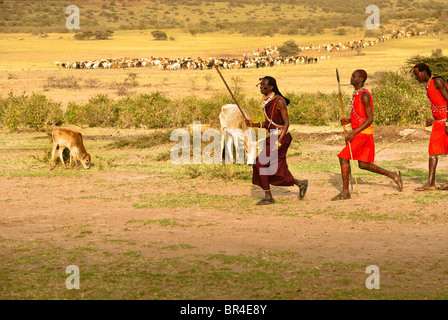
x=443, y=187
x=265, y=201
x=399, y=180
x=303, y=187
x=425, y=187
x=341, y=196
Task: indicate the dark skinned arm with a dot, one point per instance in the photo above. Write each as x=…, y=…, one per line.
x=251, y=124
x=440, y=85
x=365, y=99
x=345, y=121
x=284, y=112
x=281, y=105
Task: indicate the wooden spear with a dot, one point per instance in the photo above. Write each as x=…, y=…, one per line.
x=398, y=140
x=230, y=91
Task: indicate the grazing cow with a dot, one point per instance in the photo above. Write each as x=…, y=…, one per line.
x=234, y=132
x=66, y=138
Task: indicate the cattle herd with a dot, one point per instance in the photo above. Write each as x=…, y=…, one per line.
x=267, y=57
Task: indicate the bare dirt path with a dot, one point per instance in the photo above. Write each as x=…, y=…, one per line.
x=380, y=227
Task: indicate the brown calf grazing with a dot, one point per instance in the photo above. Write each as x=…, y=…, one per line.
x=66, y=138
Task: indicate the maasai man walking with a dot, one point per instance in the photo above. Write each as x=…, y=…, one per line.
x=361, y=138
x=438, y=143
x=275, y=110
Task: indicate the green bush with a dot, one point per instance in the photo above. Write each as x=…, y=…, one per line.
x=398, y=99
x=97, y=34
x=72, y=114
x=99, y=111
x=316, y=109
x=147, y=110
x=437, y=62
x=341, y=32
x=32, y=111
x=159, y=35
x=288, y=48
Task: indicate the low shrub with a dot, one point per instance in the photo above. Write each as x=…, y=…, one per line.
x=316, y=109
x=397, y=98
x=26, y=111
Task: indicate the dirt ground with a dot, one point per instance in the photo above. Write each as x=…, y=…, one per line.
x=380, y=226
x=44, y=215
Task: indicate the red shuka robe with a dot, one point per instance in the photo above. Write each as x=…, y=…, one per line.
x=283, y=176
x=363, y=145
x=438, y=143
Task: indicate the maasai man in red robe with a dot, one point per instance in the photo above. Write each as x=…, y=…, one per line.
x=277, y=123
x=361, y=138
x=438, y=143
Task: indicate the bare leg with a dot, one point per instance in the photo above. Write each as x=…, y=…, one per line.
x=268, y=195
x=303, y=187
x=268, y=199
x=345, y=171
x=431, y=184
x=396, y=177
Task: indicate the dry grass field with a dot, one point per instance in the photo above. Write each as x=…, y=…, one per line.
x=28, y=63
x=140, y=227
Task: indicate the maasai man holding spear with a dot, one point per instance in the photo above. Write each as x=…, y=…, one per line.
x=360, y=144
x=438, y=143
x=275, y=109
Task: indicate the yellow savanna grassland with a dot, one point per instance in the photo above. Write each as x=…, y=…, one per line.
x=28, y=61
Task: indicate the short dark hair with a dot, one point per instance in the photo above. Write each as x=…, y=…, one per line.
x=423, y=67
x=363, y=74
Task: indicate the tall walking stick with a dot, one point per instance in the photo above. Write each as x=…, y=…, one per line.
x=230, y=91
x=399, y=140
x=345, y=132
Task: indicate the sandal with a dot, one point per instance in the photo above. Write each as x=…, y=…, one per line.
x=265, y=202
x=400, y=181
x=443, y=187
x=303, y=187
x=341, y=197
x=425, y=187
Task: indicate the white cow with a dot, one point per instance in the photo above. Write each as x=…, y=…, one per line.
x=236, y=133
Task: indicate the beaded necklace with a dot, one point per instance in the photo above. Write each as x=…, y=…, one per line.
x=355, y=93
x=267, y=99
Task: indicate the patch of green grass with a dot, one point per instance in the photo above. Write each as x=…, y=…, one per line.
x=162, y=222
x=433, y=196
x=227, y=172
x=366, y=215
x=83, y=234
x=40, y=274
x=188, y=199
x=132, y=253
x=124, y=241
x=344, y=281
x=178, y=246
x=142, y=142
